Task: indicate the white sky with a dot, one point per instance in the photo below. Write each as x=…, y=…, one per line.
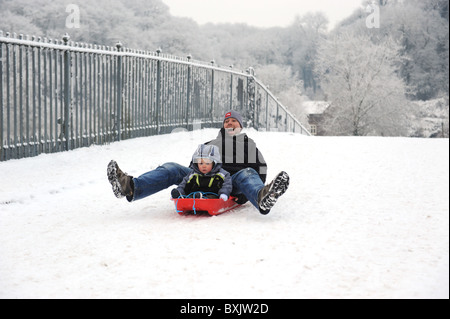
x=260, y=13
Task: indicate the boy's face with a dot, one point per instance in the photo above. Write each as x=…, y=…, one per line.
x=232, y=126
x=204, y=165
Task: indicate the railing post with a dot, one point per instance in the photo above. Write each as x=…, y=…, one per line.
x=188, y=92
x=1, y=101
x=251, y=91
x=8, y=101
x=267, y=111
x=119, y=92
x=158, y=91
x=212, y=94
x=231, y=89
x=278, y=116
x=19, y=121
x=67, y=93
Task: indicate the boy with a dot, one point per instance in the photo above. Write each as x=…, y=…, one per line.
x=206, y=176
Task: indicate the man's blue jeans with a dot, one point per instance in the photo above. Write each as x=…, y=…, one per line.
x=246, y=181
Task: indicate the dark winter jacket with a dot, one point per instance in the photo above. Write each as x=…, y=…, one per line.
x=239, y=152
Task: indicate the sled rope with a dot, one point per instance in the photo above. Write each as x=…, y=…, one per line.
x=192, y=195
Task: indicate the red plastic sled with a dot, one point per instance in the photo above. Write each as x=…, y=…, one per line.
x=202, y=205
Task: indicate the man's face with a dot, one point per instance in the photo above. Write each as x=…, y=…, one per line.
x=232, y=126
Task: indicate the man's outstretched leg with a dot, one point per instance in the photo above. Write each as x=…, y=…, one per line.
x=269, y=194
x=147, y=184
x=263, y=197
x=122, y=184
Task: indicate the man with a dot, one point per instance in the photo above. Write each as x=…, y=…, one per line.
x=240, y=157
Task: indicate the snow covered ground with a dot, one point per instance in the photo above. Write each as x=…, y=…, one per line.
x=363, y=218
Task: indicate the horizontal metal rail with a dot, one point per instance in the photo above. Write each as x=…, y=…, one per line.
x=59, y=95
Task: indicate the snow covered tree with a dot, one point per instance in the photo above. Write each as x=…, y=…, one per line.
x=360, y=81
x=421, y=27
x=303, y=36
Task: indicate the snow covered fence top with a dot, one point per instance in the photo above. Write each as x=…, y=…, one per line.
x=57, y=95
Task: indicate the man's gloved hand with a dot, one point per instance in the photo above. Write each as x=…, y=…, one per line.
x=224, y=197
x=241, y=199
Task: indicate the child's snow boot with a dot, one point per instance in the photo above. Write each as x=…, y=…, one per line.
x=269, y=194
x=122, y=183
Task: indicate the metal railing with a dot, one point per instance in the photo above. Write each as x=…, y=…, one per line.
x=59, y=95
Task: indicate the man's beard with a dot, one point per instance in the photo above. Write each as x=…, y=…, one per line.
x=233, y=131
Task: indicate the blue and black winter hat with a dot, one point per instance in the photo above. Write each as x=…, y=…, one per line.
x=210, y=152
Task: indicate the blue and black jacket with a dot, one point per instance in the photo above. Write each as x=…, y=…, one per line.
x=217, y=181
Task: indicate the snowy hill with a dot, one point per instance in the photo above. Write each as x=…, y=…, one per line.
x=363, y=218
